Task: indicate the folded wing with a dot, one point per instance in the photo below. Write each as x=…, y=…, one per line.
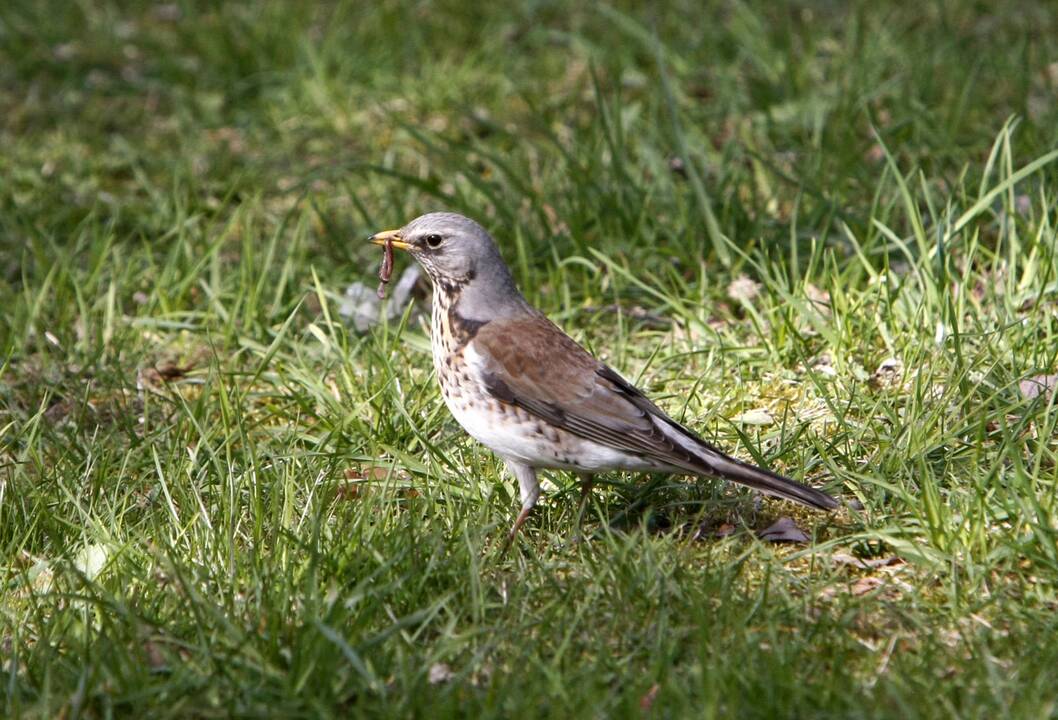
x=550, y=376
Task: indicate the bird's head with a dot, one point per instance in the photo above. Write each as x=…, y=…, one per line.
x=452, y=249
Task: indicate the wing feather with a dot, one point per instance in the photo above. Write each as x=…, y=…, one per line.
x=530, y=363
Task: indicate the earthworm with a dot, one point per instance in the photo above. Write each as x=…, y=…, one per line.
x=386, y=270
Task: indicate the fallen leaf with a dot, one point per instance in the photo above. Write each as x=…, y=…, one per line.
x=1033, y=387
x=159, y=375
x=783, y=530
x=846, y=559
x=368, y=472
x=58, y=411
x=171, y=371
x=828, y=593
x=709, y=530
x=866, y=584
x=347, y=491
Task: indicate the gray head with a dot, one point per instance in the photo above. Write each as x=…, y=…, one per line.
x=459, y=256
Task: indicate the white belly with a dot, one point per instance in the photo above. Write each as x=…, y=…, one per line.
x=517, y=436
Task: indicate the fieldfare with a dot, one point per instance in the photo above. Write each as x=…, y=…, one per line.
x=531, y=394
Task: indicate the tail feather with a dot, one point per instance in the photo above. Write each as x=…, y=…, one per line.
x=769, y=482
x=702, y=458
x=711, y=461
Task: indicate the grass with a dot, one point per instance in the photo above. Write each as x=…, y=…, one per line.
x=836, y=220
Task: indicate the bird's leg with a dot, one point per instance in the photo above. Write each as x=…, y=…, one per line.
x=587, y=481
x=530, y=490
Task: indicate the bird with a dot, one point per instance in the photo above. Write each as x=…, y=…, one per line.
x=526, y=390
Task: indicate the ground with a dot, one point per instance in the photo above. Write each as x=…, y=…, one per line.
x=821, y=233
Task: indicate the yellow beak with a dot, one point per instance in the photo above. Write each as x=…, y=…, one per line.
x=393, y=236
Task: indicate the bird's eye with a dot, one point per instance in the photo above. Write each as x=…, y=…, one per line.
x=433, y=240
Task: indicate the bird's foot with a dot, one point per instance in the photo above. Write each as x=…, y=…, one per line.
x=522, y=517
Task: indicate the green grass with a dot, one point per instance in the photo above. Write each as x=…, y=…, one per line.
x=292, y=525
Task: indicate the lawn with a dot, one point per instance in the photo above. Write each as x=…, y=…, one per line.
x=824, y=234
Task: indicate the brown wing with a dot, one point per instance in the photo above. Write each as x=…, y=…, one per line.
x=532, y=364
x=549, y=375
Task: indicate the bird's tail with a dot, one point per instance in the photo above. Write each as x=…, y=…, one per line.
x=701, y=458
x=766, y=481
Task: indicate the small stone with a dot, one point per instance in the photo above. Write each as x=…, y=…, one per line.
x=759, y=416
x=743, y=288
x=440, y=673
x=1033, y=387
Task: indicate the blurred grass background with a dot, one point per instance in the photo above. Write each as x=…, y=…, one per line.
x=821, y=232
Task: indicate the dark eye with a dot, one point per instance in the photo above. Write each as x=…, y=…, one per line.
x=433, y=240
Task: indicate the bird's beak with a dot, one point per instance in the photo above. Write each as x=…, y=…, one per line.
x=393, y=236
